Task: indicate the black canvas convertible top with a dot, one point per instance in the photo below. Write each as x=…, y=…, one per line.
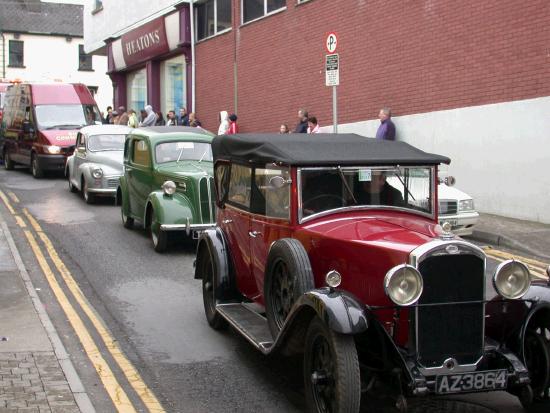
x=318, y=149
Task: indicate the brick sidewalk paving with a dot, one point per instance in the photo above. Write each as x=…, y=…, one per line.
x=34, y=382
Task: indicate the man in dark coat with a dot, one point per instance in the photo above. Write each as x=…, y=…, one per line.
x=301, y=127
x=386, y=130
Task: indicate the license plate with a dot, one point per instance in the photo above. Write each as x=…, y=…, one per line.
x=468, y=382
x=453, y=222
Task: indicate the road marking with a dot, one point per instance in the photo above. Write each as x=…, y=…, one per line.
x=536, y=268
x=7, y=203
x=20, y=221
x=132, y=375
x=115, y=391
x=13, y=197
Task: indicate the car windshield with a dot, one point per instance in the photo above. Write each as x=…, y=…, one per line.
x=66, y=116
x=106, y=143
x=324, y=189
x=183, y=151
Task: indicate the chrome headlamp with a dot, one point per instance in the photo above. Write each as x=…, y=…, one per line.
x=169, y=187
x=333, y=278
x=512, y=279
x=97, y=173
x=403, y=284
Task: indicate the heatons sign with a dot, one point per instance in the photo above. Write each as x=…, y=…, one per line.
x=145, y=42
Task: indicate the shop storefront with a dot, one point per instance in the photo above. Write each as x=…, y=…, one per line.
x=151, y=64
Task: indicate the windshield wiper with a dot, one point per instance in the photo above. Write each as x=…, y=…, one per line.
x=203, y=155
x=346, y=185
x=179, y=156
x=403, y=183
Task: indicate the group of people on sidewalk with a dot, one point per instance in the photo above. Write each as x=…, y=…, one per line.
x=149, y=117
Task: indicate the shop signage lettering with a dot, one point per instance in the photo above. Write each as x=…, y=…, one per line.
x=146, y=42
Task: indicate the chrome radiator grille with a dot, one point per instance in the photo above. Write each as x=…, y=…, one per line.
x=206, y=195
x=448, y=207
x=455, y=330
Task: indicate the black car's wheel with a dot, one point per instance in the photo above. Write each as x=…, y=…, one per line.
x=288, y=276
x=537, y=360
x=88, y=197
x=331, y=371
x=215, y=320
x=36, y=171
x=158, y=236
x=8, y=163
x=127, y=221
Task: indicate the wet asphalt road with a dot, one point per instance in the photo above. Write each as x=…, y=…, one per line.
x=153, y=306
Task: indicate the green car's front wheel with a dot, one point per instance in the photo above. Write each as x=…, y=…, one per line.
x=158, y=236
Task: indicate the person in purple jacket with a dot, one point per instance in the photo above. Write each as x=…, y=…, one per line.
x=386, y=130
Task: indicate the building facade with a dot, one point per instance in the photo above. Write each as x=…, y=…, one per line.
x=43, y=42
x=466, y=79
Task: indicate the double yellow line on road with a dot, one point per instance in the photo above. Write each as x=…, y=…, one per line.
x=116, y=392
x=536, y=268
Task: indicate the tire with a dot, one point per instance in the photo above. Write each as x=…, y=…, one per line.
x=288, y=276
x=127, y=221
x=537, y=361
x=72, y=188
x=331, y=371
x=158, y=236
x=8, y=163
x=207, y=271
x=36, y=171
x=89, y=198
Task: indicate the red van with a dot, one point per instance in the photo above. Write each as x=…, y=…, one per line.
x=3, y=88
x=41, y=122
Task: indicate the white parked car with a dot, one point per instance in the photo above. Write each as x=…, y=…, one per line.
x=456, y=208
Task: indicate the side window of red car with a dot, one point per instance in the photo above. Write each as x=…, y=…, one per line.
x=272, y=197
x=240, y=184
x=222, y=173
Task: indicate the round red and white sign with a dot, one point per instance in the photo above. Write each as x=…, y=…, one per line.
x=331, y=42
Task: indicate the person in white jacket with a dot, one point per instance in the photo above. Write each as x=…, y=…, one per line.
x=151, y=117
x=224, y=123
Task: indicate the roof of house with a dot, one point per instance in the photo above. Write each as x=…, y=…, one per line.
x=36, y=17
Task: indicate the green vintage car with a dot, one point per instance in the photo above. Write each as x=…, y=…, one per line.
x=167, y=182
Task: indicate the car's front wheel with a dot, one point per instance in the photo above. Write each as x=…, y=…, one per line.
x=36, y=171
x=158, y=236
x=331, y=371
x=127, y=221
x=215, y=320
x=88, y=197
x=288, y=276
x=537, y=360
x=8, y=163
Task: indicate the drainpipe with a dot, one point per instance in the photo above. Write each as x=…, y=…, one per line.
x=3, y=56
x=192, y=28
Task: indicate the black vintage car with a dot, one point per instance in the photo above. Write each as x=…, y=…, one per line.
x=331, y=247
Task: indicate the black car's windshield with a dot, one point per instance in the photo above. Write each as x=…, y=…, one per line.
x=323, y=189
x=183, y=151
x=66, y=116
x=106, y=143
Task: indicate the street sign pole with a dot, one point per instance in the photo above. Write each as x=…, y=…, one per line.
x=334, y=111
x=332, y=74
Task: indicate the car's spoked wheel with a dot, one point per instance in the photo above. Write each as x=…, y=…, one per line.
x=331, y=371
x=537, y=360
x=283, y=292
x=215, y=320
x=158, y=236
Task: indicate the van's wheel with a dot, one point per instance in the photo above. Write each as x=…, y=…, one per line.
x=215, y=320
x=158, y=236
x=88, y=197
x=288, y=276
x=36, y=171
x=331, y=371
x=8, y=163
x=537, y=360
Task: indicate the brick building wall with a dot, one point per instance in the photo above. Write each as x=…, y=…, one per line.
x=415, y=56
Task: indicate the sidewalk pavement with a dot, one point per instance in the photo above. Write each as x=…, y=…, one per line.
x=528, y=237
x=36, y=373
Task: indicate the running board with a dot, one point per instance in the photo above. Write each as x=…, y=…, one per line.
x=249, y=323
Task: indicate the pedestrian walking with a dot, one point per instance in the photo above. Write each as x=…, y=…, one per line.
x=386, y=130
x=312, y=125
x=183, y=119
x=233, y=127
x=301, y=127
x=283, y=128
x=224, y=123
x=160, y=119
x=122, y=116
x=193, y=121
x=171, y=118
x=150, y=117
x=133, y=121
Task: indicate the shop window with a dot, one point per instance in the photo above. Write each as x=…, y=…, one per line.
x=84, y=60
x=212, y=17
x=16, y=53
x=254, y=9
x=173, y=84
x=136, y=83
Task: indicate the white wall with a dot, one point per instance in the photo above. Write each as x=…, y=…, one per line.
x=118, y=17
x=54, y=59
x=500, y=153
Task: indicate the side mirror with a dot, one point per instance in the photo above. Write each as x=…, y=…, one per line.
x=28, y=127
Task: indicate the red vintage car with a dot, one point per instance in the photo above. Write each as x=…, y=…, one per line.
x=329, y=245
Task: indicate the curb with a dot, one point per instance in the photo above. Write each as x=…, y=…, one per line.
x=504, y=241
x=81, y=397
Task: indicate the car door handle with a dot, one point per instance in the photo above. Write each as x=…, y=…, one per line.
x=227, y=221
x=254, y=234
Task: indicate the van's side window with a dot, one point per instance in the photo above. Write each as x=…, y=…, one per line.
x=140, y=153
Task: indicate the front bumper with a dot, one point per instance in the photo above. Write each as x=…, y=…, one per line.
x=104, y=186
x=51, y=162
x=463, y=223
x=188, y=227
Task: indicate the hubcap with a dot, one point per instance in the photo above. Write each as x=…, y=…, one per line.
x=283, y=293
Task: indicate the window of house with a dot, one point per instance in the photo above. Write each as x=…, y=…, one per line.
x=240, y=186
x=173, y=84
x=212, y=17
x=98, y=5
x=16, y=53
x=254, y=9
x=136, y=84
x=84, y=60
